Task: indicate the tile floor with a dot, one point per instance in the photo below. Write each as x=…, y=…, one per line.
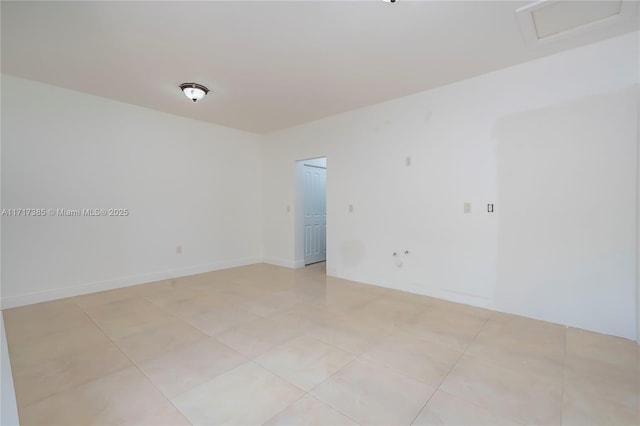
x=267, y=345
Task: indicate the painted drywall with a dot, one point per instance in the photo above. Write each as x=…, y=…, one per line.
x=551, y=143
x=8, y=406
x=184, y=182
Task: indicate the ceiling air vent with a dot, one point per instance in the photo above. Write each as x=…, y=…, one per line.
x=547, y=20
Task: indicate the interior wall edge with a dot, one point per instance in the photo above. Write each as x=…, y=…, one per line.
x=8, y=405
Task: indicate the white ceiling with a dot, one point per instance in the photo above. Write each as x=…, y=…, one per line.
x=269, y=65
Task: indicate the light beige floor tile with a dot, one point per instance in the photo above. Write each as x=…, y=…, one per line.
x=104, y=297
x=164, y=338
x=446, y=409
x=303, y=326
x=601, y=377
x=585, y=407
x=389, y=310
x=599, y=392
x=342, y=298
x=43, y=379
x=305, y=361
x=38, y=311
x=124, y=307
x=166, y=415
x=124, y=397
x=427, y=361
x=311, y=311
x=180, y=370
x=170, y=296
x=602, y=380
x=123, y=318
x=600, y=347
x=459, y=309
x=354, y=335
x=274, y=302
x=25, y=354
x=228, y=298
x=309, y=411
x=27, y=328
x=246, y=395
x=371, y=394
x=193, y=306
x=314, y=288
x=259, y=336
x=514, y=394
x=453, y=325
x=519, y=343
x=220, y=320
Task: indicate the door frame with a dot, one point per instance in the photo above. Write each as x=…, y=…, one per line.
x=298, y=233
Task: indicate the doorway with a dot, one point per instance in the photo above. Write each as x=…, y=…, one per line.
x=311, y=221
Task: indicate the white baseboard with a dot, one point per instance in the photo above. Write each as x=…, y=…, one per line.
x=111, y=284
x=299, y=264
x=451, y=296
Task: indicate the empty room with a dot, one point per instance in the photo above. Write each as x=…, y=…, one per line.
x=320, y=213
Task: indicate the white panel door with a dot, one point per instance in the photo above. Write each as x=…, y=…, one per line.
x=315, y=214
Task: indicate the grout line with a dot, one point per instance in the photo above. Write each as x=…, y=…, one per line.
x=133, y=364
x=313, y=322
x=452, y=367
x=326, y=403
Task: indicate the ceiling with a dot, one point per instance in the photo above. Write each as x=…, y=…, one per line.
x=269, y=65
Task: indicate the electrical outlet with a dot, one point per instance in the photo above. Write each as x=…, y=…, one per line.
x=178, y=249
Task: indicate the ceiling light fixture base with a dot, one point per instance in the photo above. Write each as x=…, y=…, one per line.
x=194, y=91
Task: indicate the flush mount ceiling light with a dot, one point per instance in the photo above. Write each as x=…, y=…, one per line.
x=194, y=91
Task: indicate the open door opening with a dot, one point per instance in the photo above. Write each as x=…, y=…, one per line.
x=311, y=208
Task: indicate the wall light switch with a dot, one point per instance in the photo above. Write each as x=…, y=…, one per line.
x=407, y=161
x=288, y=208
x=490, y=208
x=467, y=207
x=350, y=208
x=178, y=249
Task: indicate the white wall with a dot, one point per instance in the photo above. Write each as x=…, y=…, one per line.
x=185, y=183
x=552, y=143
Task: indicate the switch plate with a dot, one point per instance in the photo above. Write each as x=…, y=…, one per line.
x=408, y=161
x=178, y=249
x=350, y=208
x=467, y=207
x=490, y=208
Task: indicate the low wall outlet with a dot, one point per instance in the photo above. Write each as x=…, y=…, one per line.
x=178, y=249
